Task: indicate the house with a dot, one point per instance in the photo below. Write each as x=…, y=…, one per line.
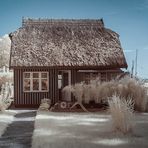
x=48, y=54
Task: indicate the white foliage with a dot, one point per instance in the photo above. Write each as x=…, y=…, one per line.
x=6, y=96
x=45, y=104
x=77, y=91
x=122, y=113
x=85, y=130
x=66, y=91
x=87, y=93
x=6, y=118
x=4, y=50
x=130, y=87
x=100, y=91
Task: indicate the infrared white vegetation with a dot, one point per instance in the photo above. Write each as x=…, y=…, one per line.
x=6, y=96
x=85, y=130
x=6, y=118
x=5, y=44
x=122, y=114
x=100, y=91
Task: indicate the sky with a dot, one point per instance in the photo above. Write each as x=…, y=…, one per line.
x=129, y=18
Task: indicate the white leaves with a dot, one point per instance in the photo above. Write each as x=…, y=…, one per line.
x=122, y=113
x=5, y=97
x=126, y=88
x=4, y=50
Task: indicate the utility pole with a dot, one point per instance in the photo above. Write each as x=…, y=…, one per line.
x=136, y=62
x=132, y=70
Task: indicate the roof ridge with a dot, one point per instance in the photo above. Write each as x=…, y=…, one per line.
x=32, y=21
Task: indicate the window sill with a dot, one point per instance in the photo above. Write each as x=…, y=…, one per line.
x=35, y=91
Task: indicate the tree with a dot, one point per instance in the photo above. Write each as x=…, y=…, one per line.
x=4, y=50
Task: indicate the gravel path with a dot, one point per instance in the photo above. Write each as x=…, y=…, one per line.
x=19, y=133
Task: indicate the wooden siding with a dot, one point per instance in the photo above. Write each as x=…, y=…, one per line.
x=33, y=99
x=103, y=75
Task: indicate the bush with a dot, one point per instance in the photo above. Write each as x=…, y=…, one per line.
x=5, y=79
x=45, y=104
x=134, y=89
x=6, y=96
x=100, y=91
x=122, y=113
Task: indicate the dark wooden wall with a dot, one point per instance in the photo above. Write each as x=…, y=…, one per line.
x=33, y=99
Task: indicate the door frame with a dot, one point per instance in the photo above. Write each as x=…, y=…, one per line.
x=69, y=82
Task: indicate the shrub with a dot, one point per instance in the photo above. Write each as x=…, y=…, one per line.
x=5, y=96
x=45, y=104
x=86, y=93
x=122, y=113
x=5, y=79
x=78, y=91
x=134, y=89
x=100, y=91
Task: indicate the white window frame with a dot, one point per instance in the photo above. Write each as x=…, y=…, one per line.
x=40, y=81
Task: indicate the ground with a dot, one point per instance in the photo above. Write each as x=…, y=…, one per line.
x=6, y=118
x=86, y=130
x=78, y=130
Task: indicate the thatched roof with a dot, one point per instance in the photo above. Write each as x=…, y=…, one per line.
x=48, y=42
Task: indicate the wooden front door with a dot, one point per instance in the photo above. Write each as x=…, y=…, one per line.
x=64, y=79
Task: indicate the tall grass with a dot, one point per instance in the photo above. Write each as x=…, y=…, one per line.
x=78, y=91
x=100, y=91
x=122, y=113
x=134, y=89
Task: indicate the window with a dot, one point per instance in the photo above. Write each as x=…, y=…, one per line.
x=91, y=76
x=103, y=76
x=59, y=81
x=113, y=76
x=36, y=82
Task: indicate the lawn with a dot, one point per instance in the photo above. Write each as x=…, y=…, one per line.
x=86, y=130
x=6, y=118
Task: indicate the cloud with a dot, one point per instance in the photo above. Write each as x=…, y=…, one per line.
x=128, y=51
x=145, y=48
x=134, y=51
x=143, y=5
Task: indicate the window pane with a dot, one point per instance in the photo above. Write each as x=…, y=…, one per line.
x=59, y=84
x=27, y=85
x=44, y=75
x=59, y=76
x=35, y=84
x=26, y=75
x=35, y=75
x=44, y=84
